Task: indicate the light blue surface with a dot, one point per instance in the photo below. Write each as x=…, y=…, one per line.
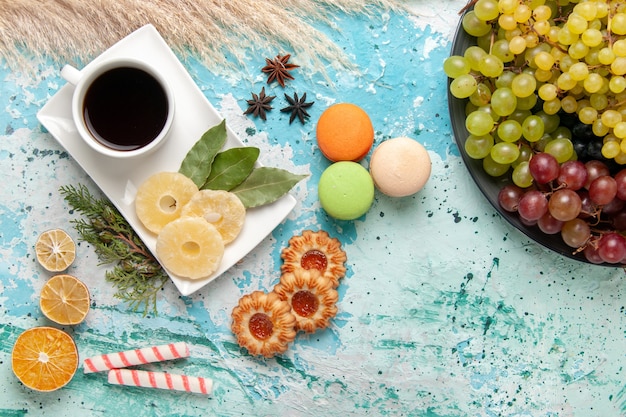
x=446, y=310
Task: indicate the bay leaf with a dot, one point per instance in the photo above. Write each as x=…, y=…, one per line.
x=231, y=167
x=265, y=185
x=199, y=160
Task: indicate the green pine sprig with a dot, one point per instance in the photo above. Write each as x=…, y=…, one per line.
x=136, y=274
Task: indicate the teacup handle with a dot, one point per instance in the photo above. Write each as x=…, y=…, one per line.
x=71, y=74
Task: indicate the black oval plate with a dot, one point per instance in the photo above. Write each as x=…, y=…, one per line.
x=489, y=185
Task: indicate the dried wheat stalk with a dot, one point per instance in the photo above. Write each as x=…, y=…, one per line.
x=211, y=30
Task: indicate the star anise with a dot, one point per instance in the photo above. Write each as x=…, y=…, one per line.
x=278, y=69
x=259, y=105
x=297, y=107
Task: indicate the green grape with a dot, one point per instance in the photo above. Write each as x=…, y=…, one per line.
x=532, y=128
x=566, y=62
x=593, y=83
x=474, y=26
x=578, y=50
x=620, y=131
x=517, y=45
x=507, y=6
x=550, y=122
x=455, y=66
x=611, y=149
x=522, y=13
x=503, y=101
x=479, y=123
x=579, y=71
x=566, y=37
x=598, y=128
x=507, y=21
x=482, y=95
x=592, y=37
x=478, y=147
x=587, y=115
x=493, y=168
x=576, y=23
x=618, y=24
x=505, y=79
x=501, y=50
x=525, y=153
x=561, y=149
x=599, y=101
x=565, y=82
x=542, y=27
x=486, y=9
x=490, y=65
x=548, y=92
x=521, y=175
x=526, y=103
x=523, y=85
x=591, y=58
x=544, y=60
x=489, y=110
x=543, y=76
x=473, y=54
x=587, y=10
x=569, y=104
x=618, y=66
x=610, y=118
x=542, y=13
x=519, y=115
x=509, y=130
x=504, y=153
x=606, y=56
x=617, y=84
x=562, y=132
x=619, y=47
x=463, y=86
x=551, y=106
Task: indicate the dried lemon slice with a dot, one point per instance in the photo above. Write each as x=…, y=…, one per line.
x=64, y=299
x=55, y=250
x=190, y=247
x=160, y=199
x=44, y=358
x=222, y=209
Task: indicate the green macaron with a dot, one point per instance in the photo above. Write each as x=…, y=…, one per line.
x=346, y=190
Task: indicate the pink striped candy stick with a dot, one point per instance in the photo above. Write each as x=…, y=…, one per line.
x=136, y=357
x=161, y=380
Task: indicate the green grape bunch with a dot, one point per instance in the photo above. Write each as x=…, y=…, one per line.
x=535, y=65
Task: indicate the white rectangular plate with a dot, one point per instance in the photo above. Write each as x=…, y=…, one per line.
x=119, y=179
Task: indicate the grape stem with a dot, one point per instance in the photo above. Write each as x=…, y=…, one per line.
x=469, y=5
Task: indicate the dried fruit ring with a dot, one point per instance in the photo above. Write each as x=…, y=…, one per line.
x=315, y=250
x=222, y=209
x=311, y=296
x=160, y=199
x=263, y=323
x=190, y=247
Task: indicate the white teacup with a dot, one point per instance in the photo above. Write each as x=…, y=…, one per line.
x=122, y=107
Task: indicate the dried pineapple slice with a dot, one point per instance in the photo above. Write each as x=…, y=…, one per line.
x=160, y=199
x=190, y=247
x=222, y=209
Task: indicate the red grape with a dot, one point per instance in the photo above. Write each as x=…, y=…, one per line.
x=543, y=167
x=575, y=233
x=591, y=254
x=572, y=175
x=509, y=197
x=549, y=225
x=620, y=179
x=532, y=205
x=564, y=204
x=612, y=247
x=595, y=169
x=602, y=190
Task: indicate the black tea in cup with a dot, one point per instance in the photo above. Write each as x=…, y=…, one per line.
x=125, y=108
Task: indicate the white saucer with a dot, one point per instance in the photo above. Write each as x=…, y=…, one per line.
x=119, y=179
